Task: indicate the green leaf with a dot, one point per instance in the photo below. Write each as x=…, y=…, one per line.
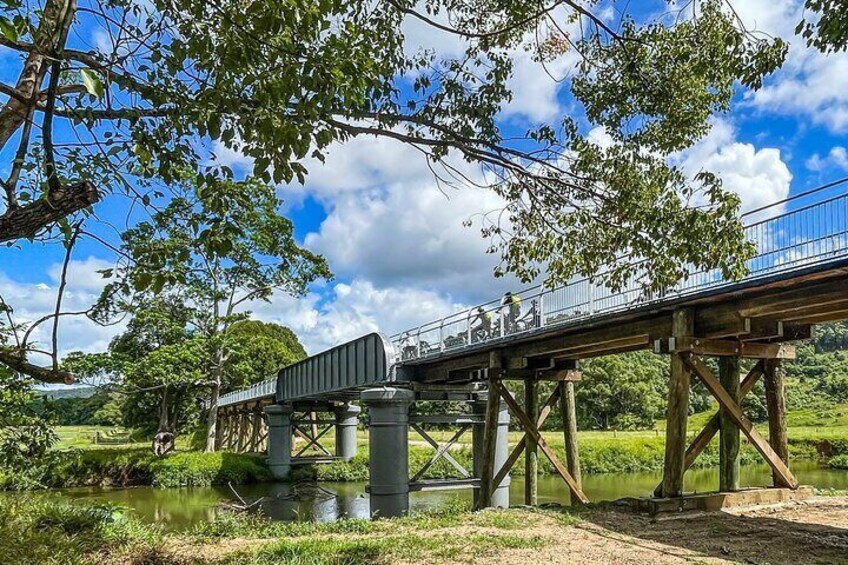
x=92, y=83
x=7, y=28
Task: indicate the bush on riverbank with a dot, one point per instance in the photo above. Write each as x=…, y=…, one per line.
x=839, y=462
x=138, y=466
x=43, y=529
x=194, y=469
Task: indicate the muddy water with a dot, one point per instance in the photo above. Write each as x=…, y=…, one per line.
x=180, y=509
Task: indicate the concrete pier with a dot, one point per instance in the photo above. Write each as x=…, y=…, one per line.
x=388, y=434
x=500, y=496
x=347, y=418
x=279, y=440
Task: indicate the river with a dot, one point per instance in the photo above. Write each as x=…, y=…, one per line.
x=180, y=509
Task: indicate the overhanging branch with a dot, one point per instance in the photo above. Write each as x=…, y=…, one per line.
x=16, y=361
x=27, y=220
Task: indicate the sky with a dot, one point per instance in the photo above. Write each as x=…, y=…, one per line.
x=396, y=241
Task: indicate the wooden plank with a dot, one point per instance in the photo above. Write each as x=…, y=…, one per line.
x=776, y=405
x=786, y=303
x=699, y=368
x=568, y=412
x=531, y=455
x=677, y=411
x=573, y=339
x=530, y=429
x=522, y=443
x=703, y=439
x=728, y=467
x=724, y=347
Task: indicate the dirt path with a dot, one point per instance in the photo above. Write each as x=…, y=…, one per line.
x=808, y=532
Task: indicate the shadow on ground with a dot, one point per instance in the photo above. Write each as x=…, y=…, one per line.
x=814, y=534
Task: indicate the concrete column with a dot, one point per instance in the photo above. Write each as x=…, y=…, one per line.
x=347, y=417
x=388, y=449
x=279, y=440
x=500, y=497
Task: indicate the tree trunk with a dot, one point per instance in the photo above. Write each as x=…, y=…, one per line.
x=163, y=441
x=212, y=417
x=49, y=38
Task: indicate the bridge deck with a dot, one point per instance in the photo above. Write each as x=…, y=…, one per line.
x=798, y=277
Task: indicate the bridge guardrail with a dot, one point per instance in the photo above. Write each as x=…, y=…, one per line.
x=812, y=234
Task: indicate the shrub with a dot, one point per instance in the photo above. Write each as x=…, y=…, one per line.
x=40, y=529
x=204, y=469
x=839, y=462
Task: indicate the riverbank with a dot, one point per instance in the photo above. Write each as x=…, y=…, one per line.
x=40, y=530
x=600, y=453
x=136, y=466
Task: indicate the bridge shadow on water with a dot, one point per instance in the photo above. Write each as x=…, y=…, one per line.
x=761, y=536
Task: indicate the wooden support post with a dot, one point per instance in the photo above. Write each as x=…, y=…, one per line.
x=682, y=325
x=531, y=454
x=242, y=436
x=568, y=410
x=257, y=427
x=728, y=474
x=219, y=430
x=776, y=404
x=227, y=426
x=490, y=436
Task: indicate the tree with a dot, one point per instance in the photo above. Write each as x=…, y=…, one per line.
x=216, y=251
x=282, y=81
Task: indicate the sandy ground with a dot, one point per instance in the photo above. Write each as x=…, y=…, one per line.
x=814, y=531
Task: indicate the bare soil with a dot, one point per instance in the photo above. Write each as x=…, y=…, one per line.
x=813, y=531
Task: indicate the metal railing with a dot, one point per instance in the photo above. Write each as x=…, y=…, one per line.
x=807, y=235
x=259, y=390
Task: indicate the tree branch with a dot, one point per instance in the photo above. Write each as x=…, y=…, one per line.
x=16, y=361
x=27, y=220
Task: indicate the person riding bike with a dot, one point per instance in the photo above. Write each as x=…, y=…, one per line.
x=483, y=329
x=512, y=303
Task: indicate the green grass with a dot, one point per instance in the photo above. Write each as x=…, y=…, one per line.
x=45, y=530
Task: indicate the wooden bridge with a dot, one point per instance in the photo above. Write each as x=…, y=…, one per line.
x=798, y=278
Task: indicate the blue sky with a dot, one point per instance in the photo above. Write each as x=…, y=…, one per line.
x=396, y=242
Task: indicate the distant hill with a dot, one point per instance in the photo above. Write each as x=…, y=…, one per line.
x=75, y=392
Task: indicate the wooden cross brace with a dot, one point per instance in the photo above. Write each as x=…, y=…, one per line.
x=727, y=403
x=519, y=448
x=703, y=439
x=531, y=430
x=442, y=451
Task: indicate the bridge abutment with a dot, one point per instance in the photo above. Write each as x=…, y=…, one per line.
x=347, y=418
x=279, y=440
x=388, y=437
x=500, y=494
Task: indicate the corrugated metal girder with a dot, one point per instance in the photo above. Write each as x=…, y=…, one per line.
x=363, y=362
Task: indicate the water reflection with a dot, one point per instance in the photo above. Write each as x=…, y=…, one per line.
x=180, y=509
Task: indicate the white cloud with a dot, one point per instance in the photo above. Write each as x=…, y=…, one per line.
x=837, y=158
x=810, y=84
x=33, y=300
x=353, y=310
x=758, y=176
